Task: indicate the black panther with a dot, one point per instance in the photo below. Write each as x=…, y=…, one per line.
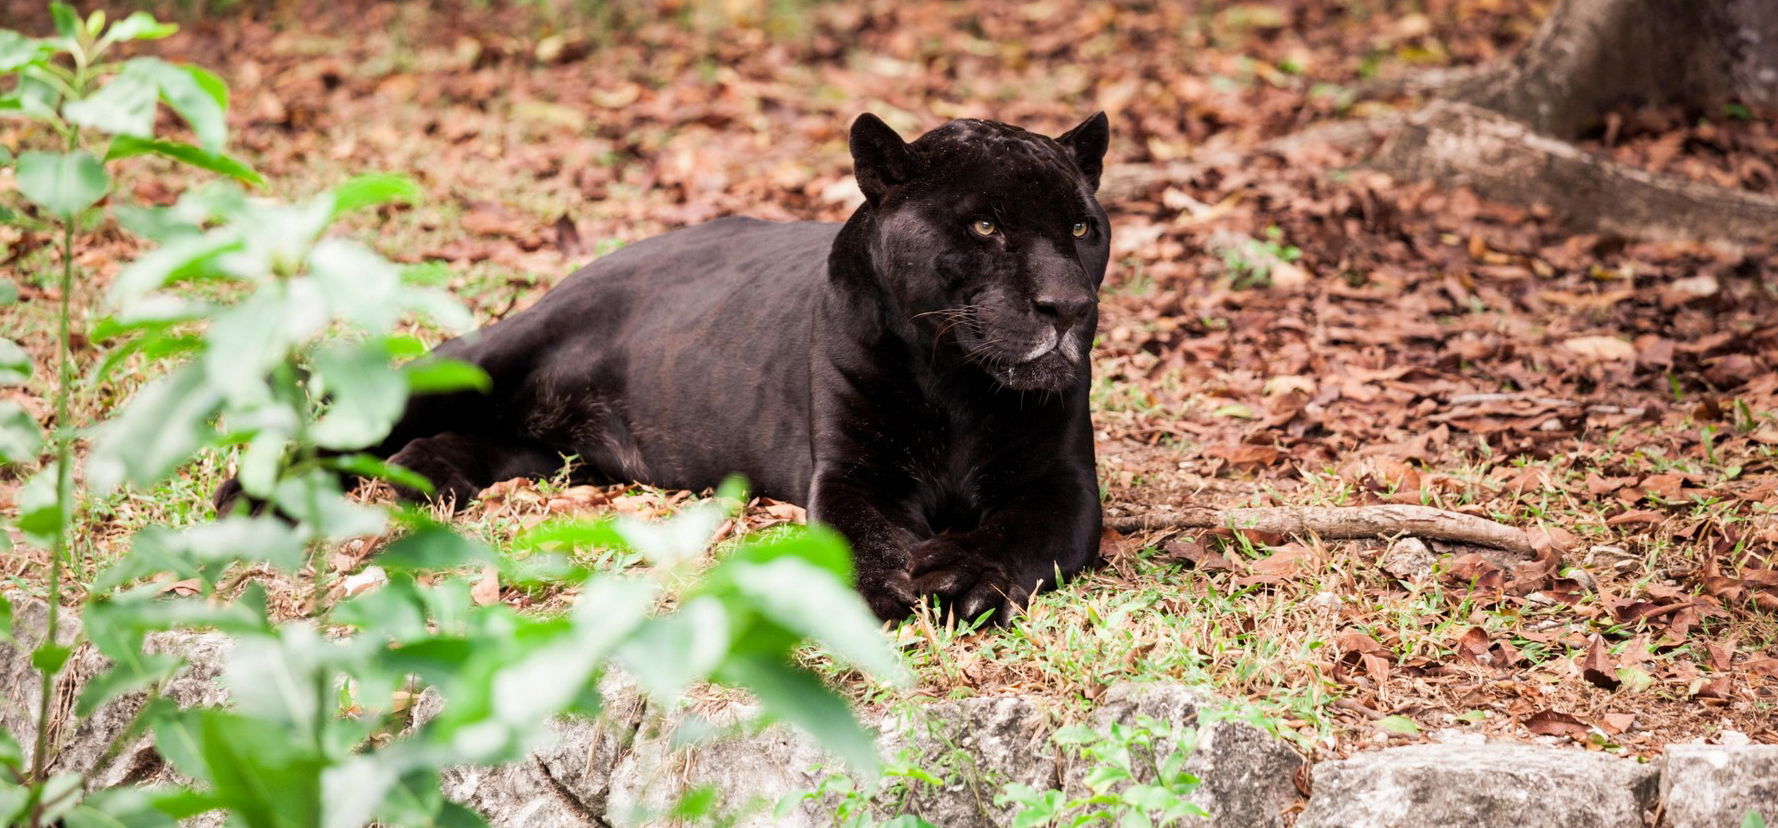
x=917, y=377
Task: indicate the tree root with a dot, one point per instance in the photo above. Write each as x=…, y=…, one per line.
x=1459, y=144
x=1340, y=523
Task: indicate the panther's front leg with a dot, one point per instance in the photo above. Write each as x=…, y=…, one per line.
x=881, y=543
x=1016, y=550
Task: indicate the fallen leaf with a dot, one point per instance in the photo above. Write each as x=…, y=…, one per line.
x=1601, y=348
x=1399, y=725
x=1615, y=723
x=486, y=591
x=359, y=583
x=1597, y=666
x=1552, y=723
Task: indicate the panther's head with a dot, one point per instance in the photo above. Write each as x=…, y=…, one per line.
x=989, y=241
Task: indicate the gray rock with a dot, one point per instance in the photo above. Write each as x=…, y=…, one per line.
x=1707, y=786
x=1409, y=559
x=1478, y=786
x=21, y=687
x=716, y=744
x=975, y=747
x=634, y=762
x=1247, y=775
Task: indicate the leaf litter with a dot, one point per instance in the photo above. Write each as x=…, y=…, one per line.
x=1422, y=345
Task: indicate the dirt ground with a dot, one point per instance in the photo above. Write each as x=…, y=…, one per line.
x=1278, y=328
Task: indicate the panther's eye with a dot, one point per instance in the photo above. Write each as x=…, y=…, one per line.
x=983, y=227
x=1079, y=230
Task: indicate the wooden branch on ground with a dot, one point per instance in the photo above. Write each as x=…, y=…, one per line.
x=1339, y=523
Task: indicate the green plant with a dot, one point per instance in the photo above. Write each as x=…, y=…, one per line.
x=65, y=84
x=1251, y=262
x=1137, y=778
x=299, y=365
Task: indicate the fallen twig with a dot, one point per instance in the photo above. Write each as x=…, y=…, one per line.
x=1339, y=523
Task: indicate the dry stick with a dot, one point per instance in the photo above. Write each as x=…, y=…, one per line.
x=1339, y=523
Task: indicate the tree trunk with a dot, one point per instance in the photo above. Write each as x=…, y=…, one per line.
x=1502, y=130
x=1592, y=55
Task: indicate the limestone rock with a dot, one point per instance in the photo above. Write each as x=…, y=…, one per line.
x=1248, y=775
x=1703, y=786
x=976, y=746
x=1480, y=786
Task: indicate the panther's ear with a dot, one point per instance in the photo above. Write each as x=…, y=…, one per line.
x=1087, y=142
x=880, y=159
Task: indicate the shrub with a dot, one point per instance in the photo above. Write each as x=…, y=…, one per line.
x=300, y=367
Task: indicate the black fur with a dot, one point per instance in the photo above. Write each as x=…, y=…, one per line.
x=920, y=386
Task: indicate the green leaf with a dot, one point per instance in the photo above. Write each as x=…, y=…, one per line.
x=109, y=684
x=41, y=516
x=237, y=539
x=596, y=534
x=120, y=807
x=352, y=790
x=127, y=146
x=1753, y=820
x=816, y=544
x=315, y=499
x=361, y=287
x=261, y=774
x=365, y=465
x=35, y=96
x=280, y=681
x=9, y=293
x=159, y=429
x=15, y=802
x=177, y=259
x=139, y=26
x=176, y=737
x=153, y=550
x=794, y=696
x=814, y=603
x=15, y=364
x=125, y=106
x=59, y=794
x=670, y=652
x=62, y=184
x=433, y=548
x=21, y=439
x=5, y=620
x=366, y=397
x=198, y=96
x=50, y=657
x=67, y=20
x=414, y=800
x=430, y=376
x=245, y=343
x=372, y=190
x=1399, y=724
x=12, y=756
x=17, y=51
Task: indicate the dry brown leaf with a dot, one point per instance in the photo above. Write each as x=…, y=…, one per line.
x=1597, y=666
x=1616, y=723
x=1552, y=723
x=1602, y=348
x=486, y=591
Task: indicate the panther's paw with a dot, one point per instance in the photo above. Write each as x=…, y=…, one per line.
x=450, y=486
x=968, y=582
x=231, y=493
x=891, y=597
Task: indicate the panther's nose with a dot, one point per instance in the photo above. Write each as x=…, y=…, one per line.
x=1063, y=310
